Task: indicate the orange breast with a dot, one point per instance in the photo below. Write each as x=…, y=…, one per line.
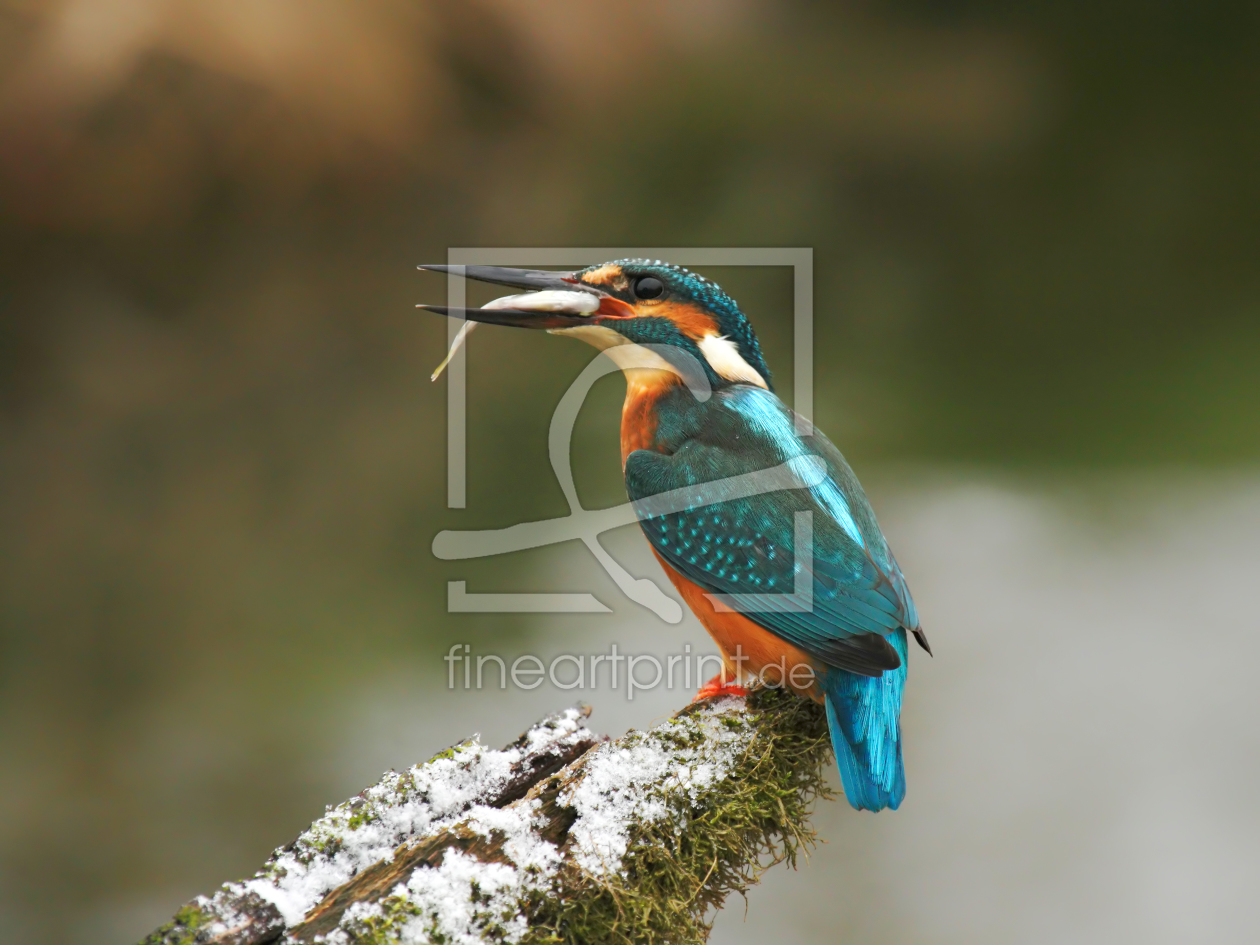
x=638, y=419
x=644, y=390
x=737, y=635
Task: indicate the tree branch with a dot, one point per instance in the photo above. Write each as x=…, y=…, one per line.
x=561, y=837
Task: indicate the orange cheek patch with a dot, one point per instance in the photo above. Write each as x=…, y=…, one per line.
x=692, y=321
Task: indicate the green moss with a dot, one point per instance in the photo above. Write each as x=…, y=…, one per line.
x=676, y=873
x=328, y=846
x=182, y=929
x=452, y=751
x=356, y=820
x=385, y=928
x=385, y=925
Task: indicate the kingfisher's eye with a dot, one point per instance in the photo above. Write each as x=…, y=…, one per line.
x=649, y=287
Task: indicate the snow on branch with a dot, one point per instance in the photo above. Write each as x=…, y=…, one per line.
x=561, y=837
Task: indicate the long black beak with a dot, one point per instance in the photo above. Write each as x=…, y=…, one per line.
x=535, y=280
x=532, y=280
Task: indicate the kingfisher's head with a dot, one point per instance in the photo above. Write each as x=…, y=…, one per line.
x=628, y=302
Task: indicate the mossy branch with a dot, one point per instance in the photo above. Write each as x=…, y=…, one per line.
x=559, y=838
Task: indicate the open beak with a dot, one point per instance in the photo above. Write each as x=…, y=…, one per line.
x=551, y=300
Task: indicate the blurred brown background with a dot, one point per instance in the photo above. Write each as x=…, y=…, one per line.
x=1035, y=228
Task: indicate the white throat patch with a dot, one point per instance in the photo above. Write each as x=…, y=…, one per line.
x=724, y=357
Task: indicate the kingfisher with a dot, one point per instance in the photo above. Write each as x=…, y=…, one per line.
x=700, y=414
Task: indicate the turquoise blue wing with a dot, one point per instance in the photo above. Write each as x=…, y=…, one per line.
x=745, y=548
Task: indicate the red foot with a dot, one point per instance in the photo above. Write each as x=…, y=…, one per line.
x=718, y=686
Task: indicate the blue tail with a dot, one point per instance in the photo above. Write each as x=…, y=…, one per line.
x=864, y=715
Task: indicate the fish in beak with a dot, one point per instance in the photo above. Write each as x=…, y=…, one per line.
x=554, y=301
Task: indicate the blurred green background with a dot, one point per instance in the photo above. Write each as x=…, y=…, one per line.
x=1035, y=230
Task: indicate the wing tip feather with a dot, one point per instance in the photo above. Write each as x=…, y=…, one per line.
x=921, y=638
